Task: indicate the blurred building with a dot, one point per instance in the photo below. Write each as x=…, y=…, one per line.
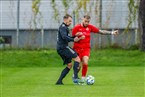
x=105, y=14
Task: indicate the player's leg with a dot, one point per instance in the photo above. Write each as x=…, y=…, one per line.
x=85, y=60
x=76, y=69
x=70, y=54
x=80, y=57
x=64, y=72
x=76, y=66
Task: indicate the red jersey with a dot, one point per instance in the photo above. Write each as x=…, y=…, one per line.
x=85, y=43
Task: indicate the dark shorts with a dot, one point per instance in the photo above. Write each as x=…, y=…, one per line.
x=67, y=54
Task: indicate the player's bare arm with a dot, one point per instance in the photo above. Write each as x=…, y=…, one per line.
x=104, y=32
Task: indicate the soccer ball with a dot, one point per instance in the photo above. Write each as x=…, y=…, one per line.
x=90, y=80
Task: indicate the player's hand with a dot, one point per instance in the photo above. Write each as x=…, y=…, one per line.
x=82, y=37
x=115, y=32
x=78, y=34
x=76, y=39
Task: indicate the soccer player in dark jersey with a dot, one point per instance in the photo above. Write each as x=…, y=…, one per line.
x=83, y=46
x=67, y=53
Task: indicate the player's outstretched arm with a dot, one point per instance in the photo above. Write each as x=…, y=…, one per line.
x=105, y=32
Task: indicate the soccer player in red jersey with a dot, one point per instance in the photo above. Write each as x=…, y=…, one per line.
x=83, y=46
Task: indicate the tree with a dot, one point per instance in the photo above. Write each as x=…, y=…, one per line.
x=133, y=7
x=141, y=20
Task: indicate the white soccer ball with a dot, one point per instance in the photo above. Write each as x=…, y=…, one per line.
x=90, y=80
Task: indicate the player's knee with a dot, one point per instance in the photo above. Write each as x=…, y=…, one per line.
x=85, y=60
x=77, y=59
x=69, y=65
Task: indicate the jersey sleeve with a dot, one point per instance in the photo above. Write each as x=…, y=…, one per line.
x=94, y=29
x=65, y=36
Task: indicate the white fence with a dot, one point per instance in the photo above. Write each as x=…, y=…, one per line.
x=112, y=14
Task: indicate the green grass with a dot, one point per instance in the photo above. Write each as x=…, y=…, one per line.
x=50, y=58
x=40, y=82
x=117, y=72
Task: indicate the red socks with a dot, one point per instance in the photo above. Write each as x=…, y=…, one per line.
x=84, y=70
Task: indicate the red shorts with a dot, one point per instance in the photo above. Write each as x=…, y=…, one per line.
x=82, y=52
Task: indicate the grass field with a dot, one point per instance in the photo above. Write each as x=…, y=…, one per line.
x=118, y=73
x=40, y=82
x=49, y=58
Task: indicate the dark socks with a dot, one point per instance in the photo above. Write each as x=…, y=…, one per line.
x=63, y=74
x=76, y=69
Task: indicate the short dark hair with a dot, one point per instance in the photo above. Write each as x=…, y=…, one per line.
x=67, y=16
x=87, y=17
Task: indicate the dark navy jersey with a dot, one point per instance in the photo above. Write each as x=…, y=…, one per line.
x=63, y=37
